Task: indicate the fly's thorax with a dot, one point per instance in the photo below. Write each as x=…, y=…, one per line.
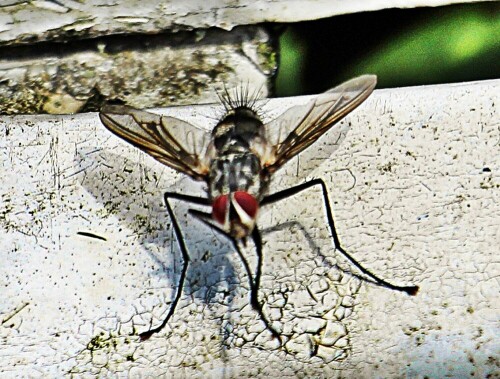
x=236, y=187
x=240, y=130
x=237, y=154
x=237, y=172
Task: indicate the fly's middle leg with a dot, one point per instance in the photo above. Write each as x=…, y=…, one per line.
x=255, y=282
x=184, y=252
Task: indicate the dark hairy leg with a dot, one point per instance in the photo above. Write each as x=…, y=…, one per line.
x=254, y=282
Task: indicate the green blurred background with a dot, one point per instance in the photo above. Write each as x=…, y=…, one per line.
x=402, y=46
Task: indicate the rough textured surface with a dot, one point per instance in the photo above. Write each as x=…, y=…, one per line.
x=424, y=208
x=68, y=56
x=142, y=70
x=46, y=20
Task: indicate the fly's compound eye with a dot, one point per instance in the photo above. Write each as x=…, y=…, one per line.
x=220, y=208
x=247, y=202
x=241, y=201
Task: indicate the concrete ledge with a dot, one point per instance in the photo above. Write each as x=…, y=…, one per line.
x=89, y=259
x=143, y=71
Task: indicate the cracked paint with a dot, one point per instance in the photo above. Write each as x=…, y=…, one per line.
x=74, y=305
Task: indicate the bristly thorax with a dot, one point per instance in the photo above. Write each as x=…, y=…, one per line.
x=238, y=140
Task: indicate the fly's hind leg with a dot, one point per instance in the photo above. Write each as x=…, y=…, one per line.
x=410, y=290
x=254, y=290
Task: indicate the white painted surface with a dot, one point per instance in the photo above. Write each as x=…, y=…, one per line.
x=424, y=210
x=47, y=20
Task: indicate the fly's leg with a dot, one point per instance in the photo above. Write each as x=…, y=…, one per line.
x=410, y=290
x=185, y=256
x=206, y=218
x=255, y=284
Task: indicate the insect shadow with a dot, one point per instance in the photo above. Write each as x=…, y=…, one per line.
x=326, y=259
x=132, y=192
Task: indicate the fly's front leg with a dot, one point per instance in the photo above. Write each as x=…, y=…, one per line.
x=184, y=252
x=254, y=289
x=254, y=283
x=410, y=290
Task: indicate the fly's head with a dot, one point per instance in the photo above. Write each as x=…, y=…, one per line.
x=236, y=213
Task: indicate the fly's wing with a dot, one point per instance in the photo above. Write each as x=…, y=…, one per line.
x=300, y=126
x=160, y=137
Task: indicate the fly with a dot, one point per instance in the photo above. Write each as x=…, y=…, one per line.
x=236, y=161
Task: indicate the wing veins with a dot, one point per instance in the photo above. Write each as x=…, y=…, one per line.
x=153, y=138
x=312, y=125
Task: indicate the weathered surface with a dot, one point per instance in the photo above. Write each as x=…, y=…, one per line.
x=69, y=56
x=424, y=209
x=142, y=70
x=45, y=20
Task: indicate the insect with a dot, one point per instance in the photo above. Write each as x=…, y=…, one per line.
x=236, y=161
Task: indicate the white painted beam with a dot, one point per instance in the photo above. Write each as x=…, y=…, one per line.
x=44, y=20
x=424, y=209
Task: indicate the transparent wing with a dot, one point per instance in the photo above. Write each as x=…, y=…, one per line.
x=160, y=137
x=300, y=126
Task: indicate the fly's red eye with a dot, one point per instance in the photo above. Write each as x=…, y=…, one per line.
x=247, y=202
x=219, y=208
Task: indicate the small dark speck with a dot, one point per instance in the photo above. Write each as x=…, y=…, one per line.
x=486, y=169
